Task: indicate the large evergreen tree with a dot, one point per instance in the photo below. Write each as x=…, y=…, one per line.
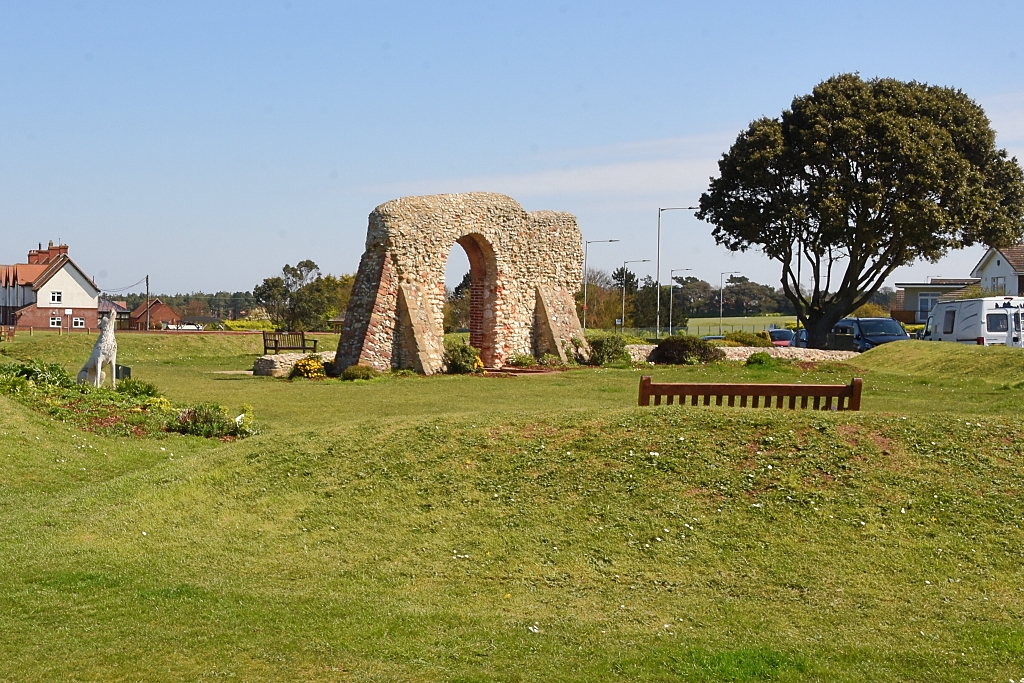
x=859, y=178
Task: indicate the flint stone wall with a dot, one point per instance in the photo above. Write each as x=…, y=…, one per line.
x=525, y=269
x=281, y=364
x=640, y=353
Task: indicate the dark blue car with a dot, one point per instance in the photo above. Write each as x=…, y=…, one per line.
x=870, y=332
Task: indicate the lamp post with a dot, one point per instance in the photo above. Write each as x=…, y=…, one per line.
x=643, y=260
x=671, y=291
x=586, y=277
x=721, y=296
x=657, y=266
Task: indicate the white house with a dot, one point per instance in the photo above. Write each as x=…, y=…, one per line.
x=50, y=291
x=1001, y=271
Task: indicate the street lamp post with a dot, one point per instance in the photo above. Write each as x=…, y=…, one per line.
x=643, y=260
x=657, y=266
x=721, y=296
x=586, y=278
x=671, y=291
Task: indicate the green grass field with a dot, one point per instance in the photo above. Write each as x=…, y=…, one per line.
x=513, y=529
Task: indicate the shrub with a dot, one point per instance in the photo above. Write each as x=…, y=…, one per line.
x=460, y=358
x=870, y=310
x=211, y=420
x=522, y=360
x=762, y=359
x=249, y=325
x=749, y=338
x=14, y=384
x=157, y=403
x=51, y=374
x=550, y=359
x=136, y=388
x=685, y=350
x=354, y=372
x=310, y=367
x=607, y=348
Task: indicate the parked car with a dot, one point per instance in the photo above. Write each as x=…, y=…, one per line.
x=988, y=321
x=861, y=334
x=713, y=337
x=782, y=337
x=801, y=338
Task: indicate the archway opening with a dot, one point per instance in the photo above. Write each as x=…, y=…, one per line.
x=470, y=288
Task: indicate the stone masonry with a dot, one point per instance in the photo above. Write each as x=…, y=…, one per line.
x=525, y=268
x=281, y=364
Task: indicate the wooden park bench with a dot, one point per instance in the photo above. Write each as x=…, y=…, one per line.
x=287, y=341
x=826, y=396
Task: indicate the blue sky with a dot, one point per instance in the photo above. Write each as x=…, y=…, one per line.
x=207, y=144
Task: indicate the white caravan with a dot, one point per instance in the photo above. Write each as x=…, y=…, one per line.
x=990, y=321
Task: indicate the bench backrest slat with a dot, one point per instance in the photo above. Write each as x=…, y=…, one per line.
x=781, y=396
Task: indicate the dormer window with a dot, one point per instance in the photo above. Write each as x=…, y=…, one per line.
x=56, y=297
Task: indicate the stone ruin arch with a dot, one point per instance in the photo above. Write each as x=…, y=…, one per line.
x=525, y=268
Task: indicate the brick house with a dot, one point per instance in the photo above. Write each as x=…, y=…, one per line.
x=50, y=291
x=159, y=313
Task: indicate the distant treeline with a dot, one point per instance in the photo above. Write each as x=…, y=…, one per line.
x=690, y=297
x=224, y=305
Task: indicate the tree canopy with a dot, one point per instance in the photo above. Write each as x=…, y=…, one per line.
x=858, y=178
x=303, y=299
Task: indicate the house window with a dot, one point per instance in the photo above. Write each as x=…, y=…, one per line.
x=55, y=321
x=999, y=285
x=926, y=302
x=78, y=322
x=56, y=297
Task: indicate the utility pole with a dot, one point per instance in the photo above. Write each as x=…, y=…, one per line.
x=586, y=278
x=147, y=303
x=657, y=267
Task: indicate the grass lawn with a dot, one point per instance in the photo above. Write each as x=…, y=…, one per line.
x=532, y=528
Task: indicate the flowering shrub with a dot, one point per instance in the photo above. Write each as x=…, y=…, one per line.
x=211, y=420
x=135, y=409
x=460, y=358
x=309, y=367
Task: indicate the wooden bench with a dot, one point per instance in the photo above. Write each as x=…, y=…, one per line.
x=287, y=341
x=825, y=396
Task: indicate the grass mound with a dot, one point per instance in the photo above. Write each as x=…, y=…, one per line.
x=616, y=545
x=942, y=360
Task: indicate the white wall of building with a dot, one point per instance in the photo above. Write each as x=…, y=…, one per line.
x=993, y=267
x=75, y=290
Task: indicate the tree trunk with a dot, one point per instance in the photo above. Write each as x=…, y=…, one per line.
x=820, y=323
x=817, y=332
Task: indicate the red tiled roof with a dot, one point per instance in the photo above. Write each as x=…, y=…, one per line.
x=1014, y=256
x=21, y=274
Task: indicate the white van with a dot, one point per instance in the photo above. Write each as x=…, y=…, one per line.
x=990, y=321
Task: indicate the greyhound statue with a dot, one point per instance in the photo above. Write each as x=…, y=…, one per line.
x=103, y=353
